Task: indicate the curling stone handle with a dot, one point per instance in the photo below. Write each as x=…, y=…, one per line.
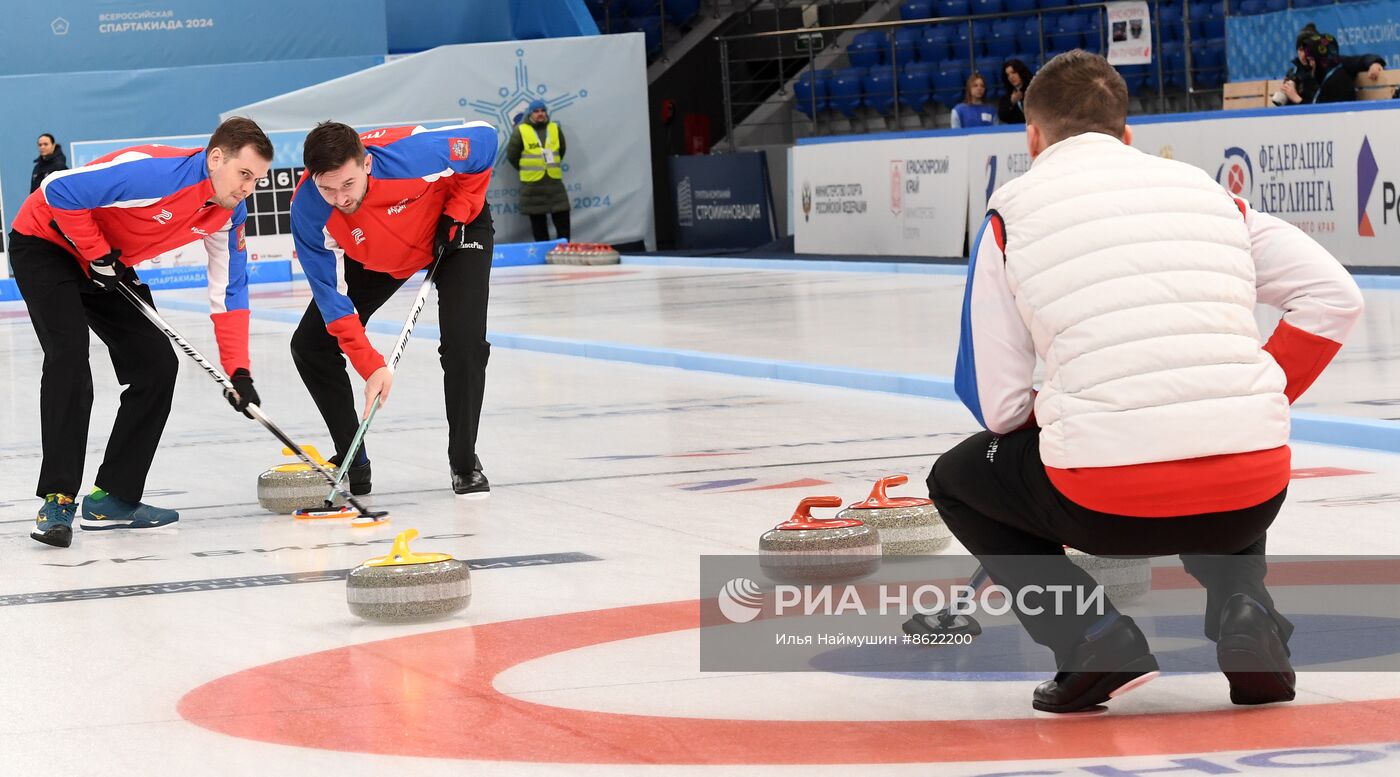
x=803, y=513
x=399, y=550
x=877, y=494
x=310, y=451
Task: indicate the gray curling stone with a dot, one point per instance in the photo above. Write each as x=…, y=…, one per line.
x=583, y=253
x=909, y=526
x=804, y=549
x=408, y=586
x=290, y=487
x=1123, y=579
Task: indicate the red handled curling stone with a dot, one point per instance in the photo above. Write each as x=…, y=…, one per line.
x=908, y=525
x=583, y=253
x=804, y=549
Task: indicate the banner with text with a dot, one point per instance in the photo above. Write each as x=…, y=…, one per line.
x=1331, y=173
x=722, y=200
x=903, y=197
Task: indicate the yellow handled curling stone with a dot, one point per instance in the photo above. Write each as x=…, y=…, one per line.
x=408, y=586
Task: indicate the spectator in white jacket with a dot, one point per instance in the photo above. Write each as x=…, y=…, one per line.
x=1161, y=426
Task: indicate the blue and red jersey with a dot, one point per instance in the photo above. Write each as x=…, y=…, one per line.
x=144, y=201
x=416, y=176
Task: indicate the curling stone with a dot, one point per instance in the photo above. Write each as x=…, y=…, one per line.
x=296, y=486
x=804, y=549
x=583, y=253
x=908, y=525
x=1123, y=579
x=408, y=586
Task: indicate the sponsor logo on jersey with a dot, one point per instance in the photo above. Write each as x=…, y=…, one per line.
x=358, y=234
x=242, y=243
x=399, y=208
x=163, y=217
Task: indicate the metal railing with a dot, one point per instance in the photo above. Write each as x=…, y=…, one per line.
x=758, y=69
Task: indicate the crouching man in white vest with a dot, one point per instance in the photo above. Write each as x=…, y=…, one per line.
x=1162, y=423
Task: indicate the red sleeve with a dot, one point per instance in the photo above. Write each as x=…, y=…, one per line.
x=468, y=196
x=350, y=333
x=231, y=333
x=1302, y=355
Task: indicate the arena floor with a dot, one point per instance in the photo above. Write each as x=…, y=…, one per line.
x=631, y=426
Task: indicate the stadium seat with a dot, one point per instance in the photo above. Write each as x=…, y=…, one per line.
x=1169, y=23
x=640, y=8
x=989, y=67
x=1249, y=7
x=916, y=9
x=1013, y=6
x=867, y=49
x=650, y=27
x=1029, y=38
x=1005, y=33
x=1068, y=34
x=1135, y=76
x=808, y=86
x=879, y=90
x=961, y=42
x=915, y=85
x=1207, y=66
x=906, y=45
x=953, y=8
x=846, y=93
x=933, y=47
x=948, y=83
x=984, y=7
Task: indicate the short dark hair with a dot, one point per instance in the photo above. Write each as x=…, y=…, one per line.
x=1077, y=92
x=330, y=145
x=50, y=136
x=237, y=133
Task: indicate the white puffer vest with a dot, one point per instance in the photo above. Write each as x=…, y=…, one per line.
x=1134, y=276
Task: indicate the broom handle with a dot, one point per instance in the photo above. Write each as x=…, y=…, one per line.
x=222, y=379
x=419, y=303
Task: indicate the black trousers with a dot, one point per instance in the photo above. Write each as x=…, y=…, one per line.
x=463, y=283
x=995, y=496
x=540, y=226
x=63, y=304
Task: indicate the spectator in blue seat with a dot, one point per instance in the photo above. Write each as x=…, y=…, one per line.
x=1015, y=78
x=972, y=111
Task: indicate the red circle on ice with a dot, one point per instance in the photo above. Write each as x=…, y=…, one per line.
x=431, y=695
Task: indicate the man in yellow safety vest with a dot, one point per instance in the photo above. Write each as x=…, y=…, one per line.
x=536, y=148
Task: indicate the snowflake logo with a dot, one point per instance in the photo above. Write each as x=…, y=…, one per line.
x=516, y=100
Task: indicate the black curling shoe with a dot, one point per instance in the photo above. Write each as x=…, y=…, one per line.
x=1252, y=654
x=1110, y=664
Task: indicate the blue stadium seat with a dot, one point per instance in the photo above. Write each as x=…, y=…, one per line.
x=953, y=7
x=1069, y=32
x=1214, y=25
x=948, y=80
x=916, y=9
x=1013, y=6
x=1249, y=7
x=1135, y=76
x=1005, y=33
x=934, y=45
x=879, y=90
x=845, y=94
x=1207, y=66
x=960, y=48
x=640, y=7
x=1271, y=6
x=1173, y=56
x=906, y=45
x=808, y=86
x=867, y=49
x=1029, y=39
x=1169, y=22
x=916, y=85
x=983, y=7
x=682, y=12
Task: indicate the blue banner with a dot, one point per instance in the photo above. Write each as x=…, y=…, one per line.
x=1260, y=47
x=64, y=36
x=722, y=200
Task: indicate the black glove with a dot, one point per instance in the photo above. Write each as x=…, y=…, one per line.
x=108, y=271
x=243, y=393
x=450, y=235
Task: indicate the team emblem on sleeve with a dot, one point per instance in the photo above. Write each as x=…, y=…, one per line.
x=242, y=244
x=461, y=149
